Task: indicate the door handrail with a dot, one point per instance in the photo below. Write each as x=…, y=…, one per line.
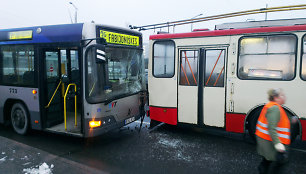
x=54, y=94
x=75, y=104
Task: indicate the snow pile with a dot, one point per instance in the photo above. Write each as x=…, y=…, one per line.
x=42, y=169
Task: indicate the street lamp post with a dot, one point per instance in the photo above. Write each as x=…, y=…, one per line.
x=76, y=12
x=193, y=18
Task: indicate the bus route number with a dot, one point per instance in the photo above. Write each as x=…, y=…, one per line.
x=13, y=90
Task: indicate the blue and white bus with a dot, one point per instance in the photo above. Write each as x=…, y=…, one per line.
x=76, y=79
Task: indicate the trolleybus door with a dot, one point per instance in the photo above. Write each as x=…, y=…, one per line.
x=188, y=86
x=213, y=93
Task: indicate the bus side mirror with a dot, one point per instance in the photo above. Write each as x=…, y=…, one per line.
x=100, y=54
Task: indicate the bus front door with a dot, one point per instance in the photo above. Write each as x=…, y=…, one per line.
x=61, y=69
x=53, y=95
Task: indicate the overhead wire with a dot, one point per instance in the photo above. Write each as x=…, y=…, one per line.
x=221, y=16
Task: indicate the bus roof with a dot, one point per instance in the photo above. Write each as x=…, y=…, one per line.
x=42, y=34
x=228, y=32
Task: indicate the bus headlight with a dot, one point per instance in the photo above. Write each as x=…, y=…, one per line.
x=93, y=124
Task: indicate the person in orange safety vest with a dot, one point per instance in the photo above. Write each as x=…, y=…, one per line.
x=273, y=134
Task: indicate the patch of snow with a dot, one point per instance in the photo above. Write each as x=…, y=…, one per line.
x=26, y=163
x=3, y=159
x=3, y=153
x=25, y=158
x=14, y=151
x=42, y=169
x=176, y=147
x=11, y=159
x=170, y=143
x=182, y=157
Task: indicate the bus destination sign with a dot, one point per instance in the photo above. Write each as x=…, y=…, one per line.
x=20, y=35
x=16, y=35
x=118, y=38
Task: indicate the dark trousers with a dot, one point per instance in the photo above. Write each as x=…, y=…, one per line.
x=270, y=167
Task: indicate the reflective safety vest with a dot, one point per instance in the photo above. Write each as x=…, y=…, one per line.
x=282, y=129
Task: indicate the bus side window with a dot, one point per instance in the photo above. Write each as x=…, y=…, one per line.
x=303, y=70
x=7, y=69
x=163, y=59
x=267, y=57
x=18, y=65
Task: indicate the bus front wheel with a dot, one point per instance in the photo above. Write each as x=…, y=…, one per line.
x=19, y=118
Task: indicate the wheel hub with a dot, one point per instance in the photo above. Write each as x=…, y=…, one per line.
x=19, y=120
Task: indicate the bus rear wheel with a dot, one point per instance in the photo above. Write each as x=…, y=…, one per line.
x=252, y=121
x=19, y=118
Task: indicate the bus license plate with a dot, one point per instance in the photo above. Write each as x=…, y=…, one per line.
x=129, y=120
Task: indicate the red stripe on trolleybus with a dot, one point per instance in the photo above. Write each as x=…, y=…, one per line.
x=235, y=122
x=165, y=115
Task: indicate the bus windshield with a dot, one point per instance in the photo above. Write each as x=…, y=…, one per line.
x=121, y=76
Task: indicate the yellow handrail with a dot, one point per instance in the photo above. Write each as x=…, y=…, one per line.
x=75, y=105
x=54, y=94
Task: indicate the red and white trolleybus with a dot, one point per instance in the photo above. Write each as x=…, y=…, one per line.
x=220, y=78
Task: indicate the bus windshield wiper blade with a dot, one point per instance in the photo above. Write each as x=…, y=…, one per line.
x=107, y=101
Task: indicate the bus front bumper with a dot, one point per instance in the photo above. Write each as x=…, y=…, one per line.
x=107, y=124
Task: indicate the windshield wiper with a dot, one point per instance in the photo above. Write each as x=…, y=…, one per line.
x=108, y=101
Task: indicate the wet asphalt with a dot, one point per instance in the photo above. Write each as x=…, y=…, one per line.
x=163, y=149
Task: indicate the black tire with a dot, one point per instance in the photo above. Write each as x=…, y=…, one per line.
x=295, y=129
x=20, y=118
x=252, y=121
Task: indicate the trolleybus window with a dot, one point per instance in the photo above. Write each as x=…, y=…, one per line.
x=189, y=67
x=214, y=68
x=17, y=65
x=124, y=74
x=163, y=59
x=303, y=70
x=267, y=57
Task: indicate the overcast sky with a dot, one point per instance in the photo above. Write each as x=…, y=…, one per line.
x=22, y=13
